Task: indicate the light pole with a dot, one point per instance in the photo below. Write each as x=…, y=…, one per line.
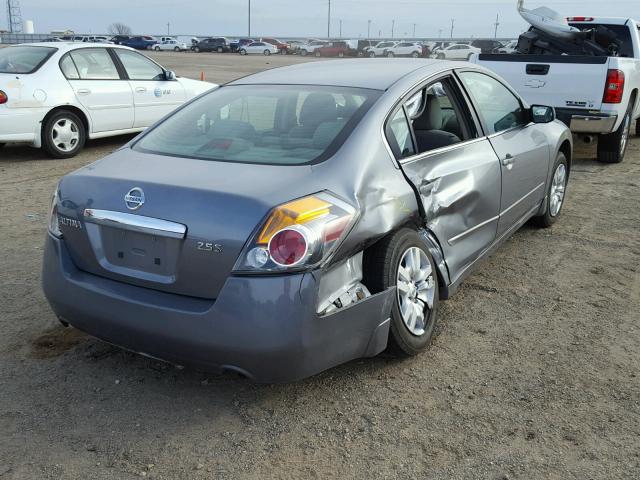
x=497, y=24
x=453, y=22
x=329, y=21
x=168, y=28
x=368, y=28
x=340, y=29
x=249, y=20
x=393, y=24
x=414, y=30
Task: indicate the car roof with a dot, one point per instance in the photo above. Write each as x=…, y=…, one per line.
x=68, y=46
x=376, y=74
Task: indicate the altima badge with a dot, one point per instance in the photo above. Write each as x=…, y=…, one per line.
x=134, y=199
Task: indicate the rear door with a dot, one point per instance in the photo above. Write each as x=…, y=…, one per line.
x=561, y=81
x=453, y=168
x=153, y=95
x=98, y=86
x=521, y=146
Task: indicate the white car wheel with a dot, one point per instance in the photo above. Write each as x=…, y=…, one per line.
x=267, y=52
x=157, y=49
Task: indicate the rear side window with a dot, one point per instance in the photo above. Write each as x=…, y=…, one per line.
x=399, y=135
x=94, y=64
x=24, y=59
x=68, y=68
x=499, y=108
x=277, y=125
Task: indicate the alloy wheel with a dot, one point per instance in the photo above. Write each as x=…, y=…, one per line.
x=558, y=186
x=624, y=138
x=416, y=289
x=65, y=135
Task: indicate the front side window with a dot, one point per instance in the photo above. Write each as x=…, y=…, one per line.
x=281, y=125
x=499, y=108
x=23, y=59
x=139, y=67
x=94, y=64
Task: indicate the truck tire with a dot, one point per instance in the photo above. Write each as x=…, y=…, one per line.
x=415, y=308
x=612, y=147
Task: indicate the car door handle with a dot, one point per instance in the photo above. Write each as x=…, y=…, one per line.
x=83, y=91
x=508, y=160
x=141, y=90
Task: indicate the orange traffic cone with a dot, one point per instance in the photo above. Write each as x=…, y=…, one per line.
x=202, y=76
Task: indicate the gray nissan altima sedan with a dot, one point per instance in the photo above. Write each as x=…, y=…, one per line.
x=304, y=216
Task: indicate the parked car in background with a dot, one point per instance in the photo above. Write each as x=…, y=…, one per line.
x=486, y=45
x=259, y=48
x=380, y=49
x=96, y=39
x=140, y=42
x=166, y=39
x=282, y=47
x=597, y=96
x=310, y=47
x=119, y=39
x=171, y=45
x=236, y=45
x=458, y=51
x=213, y=44
x=362, y=47
x=294, y=47
x=302, y=217
x=339, y=48
x=404, y=49
x=83, y=91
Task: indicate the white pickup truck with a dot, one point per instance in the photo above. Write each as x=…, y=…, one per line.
x=596, y=96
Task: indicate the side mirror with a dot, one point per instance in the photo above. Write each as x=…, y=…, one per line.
x=542, y=114
x=169, y=75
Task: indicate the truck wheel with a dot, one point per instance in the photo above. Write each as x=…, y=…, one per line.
x=612, y=147
x=63, y=135
x=402, y=260
x=556, y=193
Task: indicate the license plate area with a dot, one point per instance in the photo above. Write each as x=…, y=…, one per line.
x=139, y=251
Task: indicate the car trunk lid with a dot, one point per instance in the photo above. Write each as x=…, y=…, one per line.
x=194, y=220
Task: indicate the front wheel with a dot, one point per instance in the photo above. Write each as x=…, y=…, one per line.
x=177, y=49
x=613, y=147
x=63, y=135
x=267, y=53
x=372, y=54
x=303, y=53
x=555, y=193
x=402, y=260
x=390, y=54
x=196, y=49
x=415, y=54
x=243, y=51
x=157, y=49
x=219, y=49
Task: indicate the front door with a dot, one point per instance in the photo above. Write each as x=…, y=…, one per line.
x=520, y=145
x=154, y=96
x=452, y=167
x=97, y=85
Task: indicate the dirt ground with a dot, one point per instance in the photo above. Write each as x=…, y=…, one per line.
x=533, y=374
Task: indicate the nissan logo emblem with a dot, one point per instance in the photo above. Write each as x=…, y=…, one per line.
x=134, y=199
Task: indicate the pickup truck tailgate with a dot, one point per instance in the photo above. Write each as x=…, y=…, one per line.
x=557, y=80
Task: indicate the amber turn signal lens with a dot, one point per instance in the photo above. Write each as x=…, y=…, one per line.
x=297, y=212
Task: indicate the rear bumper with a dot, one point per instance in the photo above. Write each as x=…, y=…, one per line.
x=21, y=125
x=581, y=121
x=263, y=327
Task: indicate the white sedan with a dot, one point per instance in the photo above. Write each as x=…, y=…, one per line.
x=258, y=48
x=458, y=51
x=56, y=96
x=173, y=45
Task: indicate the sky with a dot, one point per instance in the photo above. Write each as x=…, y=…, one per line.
x=304, y=18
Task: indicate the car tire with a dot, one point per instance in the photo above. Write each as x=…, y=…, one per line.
x=267, y=53
x=382, y=264
x=556, y=193
x=157, y=49
x=283, y=51
x=415, y=54
x=196, y=49
x=440, y=56
x=177, y=49
x=341, y=54
x=243, y=51
x=303, y=52
x=317, y=54
x=372, y=54
x=613, y=147
x=390, y=55
x=219, y=50
x=64, y=123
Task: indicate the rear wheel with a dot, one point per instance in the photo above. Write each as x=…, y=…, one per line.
x=403, y=261
x=177, y=49
x=612, y=147
x=372, y=54
x=157, y=49
x=63, y=135
x=219, y=49
x=556, y=192
x=196, y=49
x=303, y=52
x=243, y=51
x=267, y=52
x=415, y=54
x=390, y=54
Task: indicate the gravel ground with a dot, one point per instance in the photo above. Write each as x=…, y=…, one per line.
x=533, y=372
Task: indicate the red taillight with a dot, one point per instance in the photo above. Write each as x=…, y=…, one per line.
x=3, y=97
x=580, y=19
x=614, y=88
x=288, y=247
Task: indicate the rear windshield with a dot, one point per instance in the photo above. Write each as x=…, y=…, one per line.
x=621, y=33
x=23, y=59
x=264, y=124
